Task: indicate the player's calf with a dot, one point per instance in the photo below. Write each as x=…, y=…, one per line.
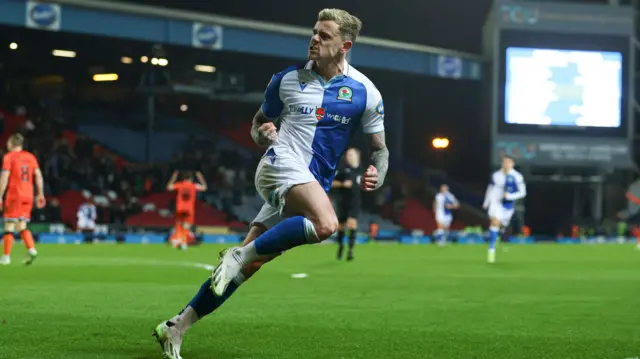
x=494, y=233
x=352, y=225
x=7, y=241
x=32, y=254
x=340, y=241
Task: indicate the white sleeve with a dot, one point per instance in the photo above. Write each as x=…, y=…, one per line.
x=454, y=199
x=373, y=116
x=520, y=193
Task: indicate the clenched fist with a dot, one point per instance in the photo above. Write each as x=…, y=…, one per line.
x=267, y=134
x=370, y=179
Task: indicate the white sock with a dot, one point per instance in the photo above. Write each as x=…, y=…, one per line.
x=33, y=251
x=248, y=253
x=185, y=320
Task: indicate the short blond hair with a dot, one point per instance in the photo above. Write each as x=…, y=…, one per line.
x=16, y=140
x=349, y=25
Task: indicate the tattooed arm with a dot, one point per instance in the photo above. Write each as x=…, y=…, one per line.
x=263, y=131
x=379, y=157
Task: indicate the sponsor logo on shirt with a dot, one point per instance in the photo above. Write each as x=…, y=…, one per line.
x=340, y=119
x=305, y=110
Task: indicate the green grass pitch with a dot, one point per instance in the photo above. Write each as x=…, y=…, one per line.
x=539, y=302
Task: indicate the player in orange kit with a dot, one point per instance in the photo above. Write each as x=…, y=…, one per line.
x=19, y=168
x=185, y=204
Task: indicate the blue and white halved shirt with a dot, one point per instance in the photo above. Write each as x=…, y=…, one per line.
x=505, y=188
x=318, y=118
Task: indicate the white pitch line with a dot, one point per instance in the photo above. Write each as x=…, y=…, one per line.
x=115, y=261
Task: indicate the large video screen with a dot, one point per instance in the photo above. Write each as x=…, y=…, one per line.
x=563, y=84
x=559, y=87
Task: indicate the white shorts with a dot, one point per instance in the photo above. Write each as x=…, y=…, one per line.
x=444, y=219
x=277, y=173
x=86, y=225
x=500, y=213
x=268, y=216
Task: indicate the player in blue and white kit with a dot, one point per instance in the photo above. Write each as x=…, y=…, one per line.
x=319, y=106
x=87, y=215
x=443, y=204
x=506, y=186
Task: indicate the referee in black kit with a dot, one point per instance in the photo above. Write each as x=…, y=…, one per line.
x=347, y=186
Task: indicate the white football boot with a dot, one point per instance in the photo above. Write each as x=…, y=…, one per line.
x=5, y=260
x=491, y=256
x=170, y=339
x=228, y=268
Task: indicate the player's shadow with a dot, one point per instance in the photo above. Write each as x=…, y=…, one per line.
x=218, y=354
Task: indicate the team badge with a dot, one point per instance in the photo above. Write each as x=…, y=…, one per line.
x=380, y=107
x=302, y=85
x=319, y=113
x=345, y=93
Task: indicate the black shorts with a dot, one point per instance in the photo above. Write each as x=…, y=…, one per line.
x=348, y=211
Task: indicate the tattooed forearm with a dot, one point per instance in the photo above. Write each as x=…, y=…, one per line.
x=379, y=156
x=258, y=120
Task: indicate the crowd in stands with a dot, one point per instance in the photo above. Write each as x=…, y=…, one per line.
x=71, y=161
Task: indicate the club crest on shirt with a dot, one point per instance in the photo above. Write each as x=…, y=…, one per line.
x=345, y=93
x=303, y=84
x=319, y=113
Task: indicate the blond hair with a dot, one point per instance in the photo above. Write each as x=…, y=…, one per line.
x=16, y=140
x=349, y=25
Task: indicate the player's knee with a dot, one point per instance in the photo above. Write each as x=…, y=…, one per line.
x=325, y=227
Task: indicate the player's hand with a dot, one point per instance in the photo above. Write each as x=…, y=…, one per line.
x=347, y=184
x=40, y=201
x=268, y=133
x=370, y=179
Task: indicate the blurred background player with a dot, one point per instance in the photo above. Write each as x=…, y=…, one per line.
x=19, y=167
x=347, y=185
x=186, y=191
x=443, y=204
x=87, y=215
x=506, y=186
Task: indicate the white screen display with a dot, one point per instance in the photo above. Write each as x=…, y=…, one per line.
x=563, y=87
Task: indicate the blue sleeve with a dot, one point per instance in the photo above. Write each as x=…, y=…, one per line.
x=272, y=105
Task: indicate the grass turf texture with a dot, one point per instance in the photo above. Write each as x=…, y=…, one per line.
x=542, y=301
